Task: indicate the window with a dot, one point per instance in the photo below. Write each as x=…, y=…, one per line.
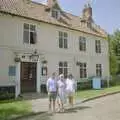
x=55, y=13
x=98, y=46
x=83, y=70
x=98, y=70
x=89, y=25
x=63, y=40
x=82, y=43
x=63, y=68
x=29, y=34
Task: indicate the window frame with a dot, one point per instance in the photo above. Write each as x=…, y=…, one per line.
x=30, y=31
x=63, y=40
x=82, y=43
x=55, y=13
x=99, y=70
x=63, y=68
x=83, y=70
x=97, y=46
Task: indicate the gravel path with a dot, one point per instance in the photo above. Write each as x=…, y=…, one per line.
x=107, y=108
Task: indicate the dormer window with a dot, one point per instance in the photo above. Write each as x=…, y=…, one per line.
x=55, y=13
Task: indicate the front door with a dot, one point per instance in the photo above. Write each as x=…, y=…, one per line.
x=28, y=77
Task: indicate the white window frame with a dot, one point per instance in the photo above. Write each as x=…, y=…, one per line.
x=83, y=69
x=55, y=13
x=63, y=67
x=29, y=31
x=82, y=43
x=63, y=38
x=97, y=46
x=99, y=69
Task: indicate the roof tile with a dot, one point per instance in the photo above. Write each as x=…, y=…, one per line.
x=37, y=11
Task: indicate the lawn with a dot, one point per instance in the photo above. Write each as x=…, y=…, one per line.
x=94, y=93
x=9, y=110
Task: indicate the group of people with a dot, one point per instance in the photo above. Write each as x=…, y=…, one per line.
x=59, y=89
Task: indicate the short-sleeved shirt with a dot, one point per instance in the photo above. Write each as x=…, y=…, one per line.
x=70, y=85
x=52, y=85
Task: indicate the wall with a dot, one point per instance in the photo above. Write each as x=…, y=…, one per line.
x=11, y=36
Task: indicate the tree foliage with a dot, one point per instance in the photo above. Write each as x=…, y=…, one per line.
x=114, y=51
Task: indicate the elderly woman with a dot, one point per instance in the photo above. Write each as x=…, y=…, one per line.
x=61, y=93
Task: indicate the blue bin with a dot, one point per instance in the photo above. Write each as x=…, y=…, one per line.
x=96, y=83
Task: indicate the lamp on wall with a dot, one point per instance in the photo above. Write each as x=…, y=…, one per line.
x=34, y=56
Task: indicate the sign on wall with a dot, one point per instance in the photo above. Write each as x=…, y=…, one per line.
x=12, y=71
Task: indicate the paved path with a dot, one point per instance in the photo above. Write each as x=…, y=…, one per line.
x=107, y=108
x=41, y=105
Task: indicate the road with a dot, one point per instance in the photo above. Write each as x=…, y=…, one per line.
x=107, y=108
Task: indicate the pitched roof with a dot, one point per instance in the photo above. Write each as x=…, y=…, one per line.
x=39, y=12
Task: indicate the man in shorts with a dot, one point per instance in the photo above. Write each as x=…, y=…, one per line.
x=52, y=91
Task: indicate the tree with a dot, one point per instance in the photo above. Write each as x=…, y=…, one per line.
x=114, y=45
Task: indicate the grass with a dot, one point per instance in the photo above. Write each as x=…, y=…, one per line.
x=94, y=93
x=13, y=109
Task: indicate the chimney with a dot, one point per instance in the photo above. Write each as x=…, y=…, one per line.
x=87, y=13
x=50, y=3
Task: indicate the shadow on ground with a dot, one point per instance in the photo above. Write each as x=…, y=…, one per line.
x=75, y=109
x=48, y=116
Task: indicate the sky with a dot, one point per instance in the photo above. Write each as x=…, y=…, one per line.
x=106, y=13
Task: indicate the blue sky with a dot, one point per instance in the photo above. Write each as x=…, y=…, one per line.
x=106, y=13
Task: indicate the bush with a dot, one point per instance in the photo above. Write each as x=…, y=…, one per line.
x=114, y=81
x=84, y=85
x=7, y=92
x=6, y=95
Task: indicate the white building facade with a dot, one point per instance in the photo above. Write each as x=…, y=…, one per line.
x=32, y=47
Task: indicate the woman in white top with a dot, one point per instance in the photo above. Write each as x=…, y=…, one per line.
x=61, y=92
x=70, y=88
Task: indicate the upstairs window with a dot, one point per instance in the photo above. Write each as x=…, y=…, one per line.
x=55, y=13
x=98, y=46
x=29, y=36
x=63, y=40
x=82, y=43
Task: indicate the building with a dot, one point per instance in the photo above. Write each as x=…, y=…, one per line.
x=37, y=40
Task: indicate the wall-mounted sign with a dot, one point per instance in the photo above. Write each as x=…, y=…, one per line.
x=12, y=71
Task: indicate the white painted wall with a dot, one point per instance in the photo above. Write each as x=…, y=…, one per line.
x=11, y=36
x=6, y=59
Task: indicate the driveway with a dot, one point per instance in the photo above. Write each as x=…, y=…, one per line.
x=107, y=108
